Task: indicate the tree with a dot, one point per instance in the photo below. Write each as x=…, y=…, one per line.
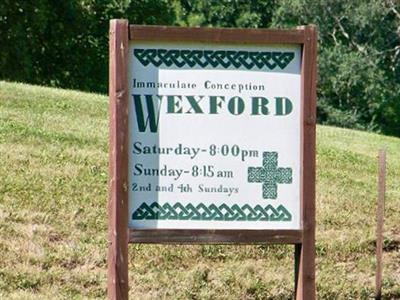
x=359, y=51
x=65, y=43
x=358, y=64
x=226, y=13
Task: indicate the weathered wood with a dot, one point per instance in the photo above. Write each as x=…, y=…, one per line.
x=117, y=285
x=306, y=252
x=190, y=236
x=379, y=222
x=216, y=35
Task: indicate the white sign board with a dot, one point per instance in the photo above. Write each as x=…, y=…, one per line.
x=214, y=136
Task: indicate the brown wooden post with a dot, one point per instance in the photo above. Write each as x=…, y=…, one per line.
x=379, y=222
x=117, y=285
x=305, y=252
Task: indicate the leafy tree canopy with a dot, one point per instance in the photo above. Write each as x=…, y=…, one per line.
x=65, y=44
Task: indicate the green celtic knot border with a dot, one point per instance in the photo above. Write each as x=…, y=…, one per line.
x=212, y=212
x=214, y=59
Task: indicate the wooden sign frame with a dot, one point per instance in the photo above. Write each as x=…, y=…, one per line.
x=119, y=235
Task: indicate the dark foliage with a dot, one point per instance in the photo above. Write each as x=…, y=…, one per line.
x=65, y=44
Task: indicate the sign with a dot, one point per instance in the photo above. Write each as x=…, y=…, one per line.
x=214, y=136
x=212, y=140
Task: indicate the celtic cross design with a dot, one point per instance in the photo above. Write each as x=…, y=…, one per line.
x=270, y=175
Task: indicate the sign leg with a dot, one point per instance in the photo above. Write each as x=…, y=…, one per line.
x=297, y=250
x=304, y=272
x=117, y=285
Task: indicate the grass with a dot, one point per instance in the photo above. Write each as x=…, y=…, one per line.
x=53, y=194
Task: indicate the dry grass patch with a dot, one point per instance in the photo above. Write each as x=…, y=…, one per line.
x=53, y=192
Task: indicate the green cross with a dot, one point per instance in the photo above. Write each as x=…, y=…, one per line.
x=269, y=175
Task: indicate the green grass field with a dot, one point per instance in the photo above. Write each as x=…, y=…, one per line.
x=53, y=194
